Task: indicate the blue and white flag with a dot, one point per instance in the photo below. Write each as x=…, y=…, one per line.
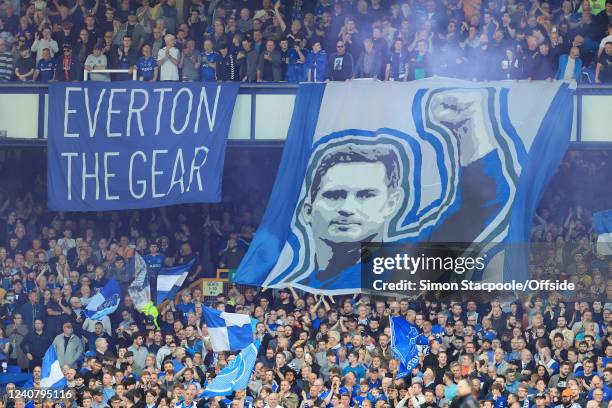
x=404, y=345
x=51, y=371
x=236, y=375
x=105, y=301
x=132, y=144
x=228, y=331
x=603, y=227
x=434, y=160
x=139, y=289
x=170, y=280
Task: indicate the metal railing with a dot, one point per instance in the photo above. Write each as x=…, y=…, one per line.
x=86, y=72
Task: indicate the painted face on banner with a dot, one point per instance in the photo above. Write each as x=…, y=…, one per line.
x=442, y=165
x=352, y=203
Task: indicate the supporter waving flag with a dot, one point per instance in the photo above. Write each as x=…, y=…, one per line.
x=404, y=344
x=105, y=301
x=51, y=373
x=236, y=375
x=169, y=281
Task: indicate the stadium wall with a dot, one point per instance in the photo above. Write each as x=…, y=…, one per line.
x=263, y=111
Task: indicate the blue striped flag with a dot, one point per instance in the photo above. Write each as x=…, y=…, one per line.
x=404, y=344
x=51, y=371
x=228, y=331
x=170, y=280
x=105, y=301
x=236, y=375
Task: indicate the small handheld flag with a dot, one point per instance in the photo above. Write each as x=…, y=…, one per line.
x=51, y=372
x=228, y=331
x=236, y=375
x=105, y=301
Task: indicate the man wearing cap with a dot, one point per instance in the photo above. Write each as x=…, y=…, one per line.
x=97, y=398
x=68, y=68
x=540, y=400
x=567, y=400
x=68, y=346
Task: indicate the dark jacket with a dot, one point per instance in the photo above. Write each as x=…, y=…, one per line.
x=82, y=51
x=36, y=344
x=31, y=312
x=316, y=65
x=270, y=70
x=75, y=71
x=123, y=62
x=248, y=66
x=227, y=69
x=464, y=402
x=340, y=67
x=542, y=67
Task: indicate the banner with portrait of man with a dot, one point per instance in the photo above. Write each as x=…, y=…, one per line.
x=432, y=160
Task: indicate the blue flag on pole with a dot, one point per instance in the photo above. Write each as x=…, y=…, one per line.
x=51, y=372
x=236, y=375
x=105, y=301
x=228, y=331
x=404, y=337
x=170, y=280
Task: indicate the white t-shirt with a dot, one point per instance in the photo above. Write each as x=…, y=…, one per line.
x=94, y=61
x=167, y=70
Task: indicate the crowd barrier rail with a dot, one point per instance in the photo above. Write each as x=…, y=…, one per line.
x=263, y=111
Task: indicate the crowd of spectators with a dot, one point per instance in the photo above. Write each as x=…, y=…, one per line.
x=549, y=349
x=305, y=40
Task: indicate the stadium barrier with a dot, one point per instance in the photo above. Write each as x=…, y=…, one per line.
x=263, y=111
x=86, y=73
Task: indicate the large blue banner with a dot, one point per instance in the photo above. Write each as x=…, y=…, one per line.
x=136, y=145
x=434, y=160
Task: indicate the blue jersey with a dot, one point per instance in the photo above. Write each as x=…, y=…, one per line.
x=46, y=70
x=185, y=309
x=207, y=71
x=146, y=66
x=154, y=262
x=295, y=70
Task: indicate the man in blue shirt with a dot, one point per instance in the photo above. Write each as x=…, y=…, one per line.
x=147, y=70
x=354, y=366
x=208, y=63
x=153, y=259
x=186, y=306
x=45, y=69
